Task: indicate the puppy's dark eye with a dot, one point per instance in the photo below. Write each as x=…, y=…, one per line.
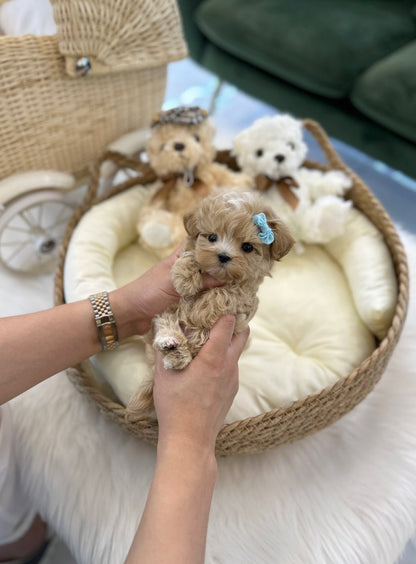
x=291, y=145
x=247, y=247
x=259, y=153
x=196, y=137
x=162, y=147
x=212, y=238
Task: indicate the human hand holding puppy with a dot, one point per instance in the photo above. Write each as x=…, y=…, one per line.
x=138, y=302
x=191, y=405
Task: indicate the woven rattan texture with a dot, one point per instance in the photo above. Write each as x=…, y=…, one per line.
x=306, y=416
x=50, y=121
x=119, y=35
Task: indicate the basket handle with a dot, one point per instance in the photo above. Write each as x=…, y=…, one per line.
x=146, y=176
x=334, y=160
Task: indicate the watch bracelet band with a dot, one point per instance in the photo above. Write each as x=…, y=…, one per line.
x=105, y=321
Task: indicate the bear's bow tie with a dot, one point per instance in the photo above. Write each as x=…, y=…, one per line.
x=284, y=186
x=169, y=184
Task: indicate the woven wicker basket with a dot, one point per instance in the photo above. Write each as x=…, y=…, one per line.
x=303, y=417
x=53, y=117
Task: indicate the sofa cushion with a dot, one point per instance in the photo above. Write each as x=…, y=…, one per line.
x=321, y=46
x=387, y=92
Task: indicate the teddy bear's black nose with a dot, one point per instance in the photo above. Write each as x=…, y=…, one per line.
x=279, y=158
x=179, y=146
x=223, y=258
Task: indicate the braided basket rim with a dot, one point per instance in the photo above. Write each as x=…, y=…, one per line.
x=305, y=416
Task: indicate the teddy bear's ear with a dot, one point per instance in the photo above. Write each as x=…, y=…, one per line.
x=190, y=223
x=283, y=240
x=239, y=143
x=208, y=129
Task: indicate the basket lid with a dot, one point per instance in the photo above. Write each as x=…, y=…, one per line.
x=103, y=36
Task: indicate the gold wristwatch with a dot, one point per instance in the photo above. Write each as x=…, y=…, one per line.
x=105, y=321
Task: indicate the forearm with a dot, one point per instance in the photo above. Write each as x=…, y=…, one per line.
x=38, y=345
x=175, y=520
x=191, y=406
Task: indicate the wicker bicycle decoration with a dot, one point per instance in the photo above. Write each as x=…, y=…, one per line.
x=303, y=417
x=64, y=99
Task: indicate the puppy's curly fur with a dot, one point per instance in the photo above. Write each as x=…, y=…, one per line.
x=224, y=242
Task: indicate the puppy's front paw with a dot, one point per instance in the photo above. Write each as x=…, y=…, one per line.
x=177, y=359
x=166, y=343
x=174, y=348
x=189, y=286
x=186, y=276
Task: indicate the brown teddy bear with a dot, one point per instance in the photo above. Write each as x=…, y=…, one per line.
x=181, y=152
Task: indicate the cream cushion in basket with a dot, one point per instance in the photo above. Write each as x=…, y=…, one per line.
x=306, y=334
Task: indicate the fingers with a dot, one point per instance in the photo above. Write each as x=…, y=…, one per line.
x=220, y=336
x=238, y=344
x=160, y=370
x=222, y=341
x=158, y=361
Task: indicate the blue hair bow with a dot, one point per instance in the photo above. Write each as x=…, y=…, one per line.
x=266, y=235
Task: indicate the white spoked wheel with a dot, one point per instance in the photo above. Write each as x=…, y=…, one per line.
x=32, y=228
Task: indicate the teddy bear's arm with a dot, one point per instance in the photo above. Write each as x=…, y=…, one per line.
x=186, y=275
x=329, y=183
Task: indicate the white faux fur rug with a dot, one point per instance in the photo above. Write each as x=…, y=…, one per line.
x=344, y=495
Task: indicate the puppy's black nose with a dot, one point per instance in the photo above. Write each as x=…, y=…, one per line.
x=179, y=146
x=279, y=158
x=223, y=258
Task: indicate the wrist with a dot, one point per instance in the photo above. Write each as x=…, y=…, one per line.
x=129, y=320
x=190, y=452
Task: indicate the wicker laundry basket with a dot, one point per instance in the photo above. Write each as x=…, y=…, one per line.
x=303, y=417
x=64, y=98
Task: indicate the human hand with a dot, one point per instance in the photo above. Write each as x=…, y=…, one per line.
x=191, y=404
x=135, y=304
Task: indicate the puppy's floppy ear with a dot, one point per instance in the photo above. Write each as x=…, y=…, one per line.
x=190, y=222
x=283, y=240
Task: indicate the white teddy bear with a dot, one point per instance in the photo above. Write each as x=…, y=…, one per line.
x=310, y=202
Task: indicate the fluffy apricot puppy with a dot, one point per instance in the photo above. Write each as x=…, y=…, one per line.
x=234, y=237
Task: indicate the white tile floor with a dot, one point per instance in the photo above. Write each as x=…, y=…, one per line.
x=190, y=84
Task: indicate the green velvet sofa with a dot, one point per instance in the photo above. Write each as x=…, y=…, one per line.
x=349, y=64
